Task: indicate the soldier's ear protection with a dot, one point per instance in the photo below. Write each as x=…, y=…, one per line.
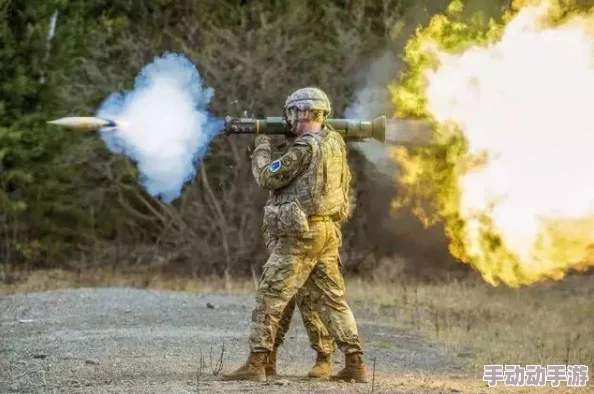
x=290, y=118
x=291, y=115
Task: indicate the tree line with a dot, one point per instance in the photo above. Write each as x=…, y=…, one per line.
x=66, y=201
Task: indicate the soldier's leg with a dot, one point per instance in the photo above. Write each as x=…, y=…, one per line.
x=283, y=327
x=326, y=285
x=319, y=337
x=284, y=273
x=285, y=322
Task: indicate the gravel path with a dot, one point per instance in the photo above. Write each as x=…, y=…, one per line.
x=117, y=340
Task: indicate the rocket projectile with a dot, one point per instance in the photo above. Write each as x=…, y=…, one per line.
x=84, y=123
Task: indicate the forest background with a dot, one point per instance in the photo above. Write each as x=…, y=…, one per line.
x=67, y=202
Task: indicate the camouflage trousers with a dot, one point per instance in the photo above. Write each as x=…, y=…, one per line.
x=304, y=271
x=319, y=337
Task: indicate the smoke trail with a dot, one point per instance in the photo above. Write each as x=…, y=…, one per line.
x=373, y=100
x=165, y=126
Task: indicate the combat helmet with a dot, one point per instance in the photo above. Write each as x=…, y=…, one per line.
x=310, y=98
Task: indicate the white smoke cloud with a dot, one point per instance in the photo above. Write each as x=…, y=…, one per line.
x=374, y=100
x=163, y=124
x=526, y=100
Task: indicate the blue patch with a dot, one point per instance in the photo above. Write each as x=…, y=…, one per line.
x=275, y=166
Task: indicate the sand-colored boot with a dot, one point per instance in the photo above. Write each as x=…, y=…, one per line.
x=271, y=364
x=253, y=369
x=354, y=369
x=322, y=368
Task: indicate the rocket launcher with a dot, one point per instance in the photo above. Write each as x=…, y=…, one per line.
x=350, y=129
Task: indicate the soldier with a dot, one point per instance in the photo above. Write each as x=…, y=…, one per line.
x=309, y=200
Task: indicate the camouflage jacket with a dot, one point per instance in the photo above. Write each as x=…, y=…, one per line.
x=313, y=176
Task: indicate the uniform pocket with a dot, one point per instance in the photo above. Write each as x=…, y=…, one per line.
x=286, y=219
x=270, y=240
x=271, y=223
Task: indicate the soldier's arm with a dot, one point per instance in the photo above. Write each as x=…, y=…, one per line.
x=276, y=174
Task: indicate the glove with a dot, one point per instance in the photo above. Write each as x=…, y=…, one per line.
x=261, y=139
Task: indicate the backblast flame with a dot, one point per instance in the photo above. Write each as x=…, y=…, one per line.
x=513, y=116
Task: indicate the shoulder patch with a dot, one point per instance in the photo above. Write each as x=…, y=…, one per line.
x=287, y=161
x=275, y=166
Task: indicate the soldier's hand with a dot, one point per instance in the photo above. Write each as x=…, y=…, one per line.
x=261, y=139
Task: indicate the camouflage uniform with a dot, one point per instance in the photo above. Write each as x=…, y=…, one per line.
x=309, y=192
x=309, y=199
x=319, y=338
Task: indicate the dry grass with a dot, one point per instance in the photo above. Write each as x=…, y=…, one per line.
x=549, y=323
x=44, y=280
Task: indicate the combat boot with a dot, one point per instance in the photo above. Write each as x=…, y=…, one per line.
x=253, y=369
x=271, y=364
x=322, y=367
x=354, y=369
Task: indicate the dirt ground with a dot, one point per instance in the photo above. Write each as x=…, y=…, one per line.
x=117, y=340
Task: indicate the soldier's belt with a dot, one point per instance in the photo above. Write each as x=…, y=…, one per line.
x=316, y=218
